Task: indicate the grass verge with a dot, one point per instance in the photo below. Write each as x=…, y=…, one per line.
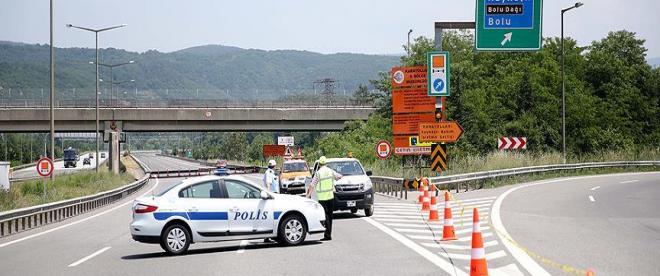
x=30, y=193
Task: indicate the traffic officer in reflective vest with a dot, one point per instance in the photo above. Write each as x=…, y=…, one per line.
x=323, y=183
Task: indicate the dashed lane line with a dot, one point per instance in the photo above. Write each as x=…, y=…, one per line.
x=595, y=188
x=592, y=199
x=629, y=181
x=90, y=256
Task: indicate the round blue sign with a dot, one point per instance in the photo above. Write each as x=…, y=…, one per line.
x=438, y=85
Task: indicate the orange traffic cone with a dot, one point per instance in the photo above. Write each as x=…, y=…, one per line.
x=433, y=214
x=425, y=203
x=590, y=272
x=448, y=233
x=478, y=266
x=300, y=153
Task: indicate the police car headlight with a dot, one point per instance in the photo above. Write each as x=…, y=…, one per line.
x=314, y=204
x=367, y=185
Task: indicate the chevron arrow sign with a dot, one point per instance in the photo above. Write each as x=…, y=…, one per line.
x=512, y=143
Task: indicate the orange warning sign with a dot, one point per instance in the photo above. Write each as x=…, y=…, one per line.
x=438, y=61
x=440, y=132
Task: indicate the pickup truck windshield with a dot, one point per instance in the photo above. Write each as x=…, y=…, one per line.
x=295, y=167
x=346, y=167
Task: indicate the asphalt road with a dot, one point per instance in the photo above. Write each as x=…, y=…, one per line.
x=608, y=223
x=31, y=172
x=616, y=234
x=154, y=162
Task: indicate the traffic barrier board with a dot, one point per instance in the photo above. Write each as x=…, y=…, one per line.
x=449, y=132
x=508, y=25
x=438, y=73
x=439, y=157
x=511, y=143
x=45, y=167
x=383, y=149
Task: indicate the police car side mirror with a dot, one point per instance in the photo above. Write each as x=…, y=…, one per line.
x=264, y=195
x=369, y=173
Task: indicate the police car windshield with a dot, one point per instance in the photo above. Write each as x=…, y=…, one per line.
x=166, y=190
x=346, y=167
x=295, y=167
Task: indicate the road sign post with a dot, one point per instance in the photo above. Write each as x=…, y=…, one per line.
x=45, y=169
x=383, y=149
x=438, y=73
x=508, y=25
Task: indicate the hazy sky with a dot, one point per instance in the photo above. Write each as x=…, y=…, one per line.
x=357, y=26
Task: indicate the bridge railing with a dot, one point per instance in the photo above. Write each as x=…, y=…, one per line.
x=207, y=168
x=392, y=186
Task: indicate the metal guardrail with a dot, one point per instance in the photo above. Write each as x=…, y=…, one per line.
x=15, y=221
x=210, y=166
x=393, y=186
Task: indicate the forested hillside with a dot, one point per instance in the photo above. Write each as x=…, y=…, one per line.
x=24, y=68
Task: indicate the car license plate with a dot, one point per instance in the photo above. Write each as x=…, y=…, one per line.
x=350, y=203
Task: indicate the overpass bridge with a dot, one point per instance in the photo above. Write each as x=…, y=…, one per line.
x=180, y=119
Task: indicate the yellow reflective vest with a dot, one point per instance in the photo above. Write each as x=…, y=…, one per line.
x=325, y=185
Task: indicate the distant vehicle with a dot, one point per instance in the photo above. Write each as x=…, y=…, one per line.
x=87, y=161
x=293, y=175
x=71, y=157
x=221, y=168
x=103, y=155
x=91, y=156
x=212, y=209
x=353, y=191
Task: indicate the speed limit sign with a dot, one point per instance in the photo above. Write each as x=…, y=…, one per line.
x=45, y=167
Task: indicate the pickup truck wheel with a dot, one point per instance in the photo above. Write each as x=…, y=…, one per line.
x=369, y=210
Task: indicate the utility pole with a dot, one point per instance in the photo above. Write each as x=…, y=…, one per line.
x=52, y=94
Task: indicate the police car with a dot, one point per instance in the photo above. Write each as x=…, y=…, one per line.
x=213, y=208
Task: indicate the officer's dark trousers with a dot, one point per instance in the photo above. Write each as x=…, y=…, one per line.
x=328, y=205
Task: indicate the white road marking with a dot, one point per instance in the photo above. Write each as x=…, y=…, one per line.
x=76, y=222
x=591, y=198
x=438, y=230
x=595, y=188
x=508, y=270
x=241, y=248
x=430, y=256
x=462, y=239
x=490, y=256
x=89, y=257
x=457, y=246
x=629, y=181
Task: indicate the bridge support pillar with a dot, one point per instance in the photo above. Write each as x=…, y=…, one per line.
x=113, y=152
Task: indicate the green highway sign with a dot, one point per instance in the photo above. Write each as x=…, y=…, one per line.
x=508, y=25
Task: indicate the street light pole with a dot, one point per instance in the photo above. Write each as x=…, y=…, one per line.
x=96, y=32
x=52, y=92
x=563, y=82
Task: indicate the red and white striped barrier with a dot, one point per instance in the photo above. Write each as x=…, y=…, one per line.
x=511, y=143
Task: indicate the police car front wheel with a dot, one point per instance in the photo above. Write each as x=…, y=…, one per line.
x=292, y=230
x=175, y=239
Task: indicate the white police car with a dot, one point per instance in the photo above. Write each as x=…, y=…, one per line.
x=213, y=208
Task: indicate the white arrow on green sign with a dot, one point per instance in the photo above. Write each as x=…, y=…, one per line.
x=508, y=25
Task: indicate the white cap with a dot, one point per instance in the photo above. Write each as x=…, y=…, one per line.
x=272, y=163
